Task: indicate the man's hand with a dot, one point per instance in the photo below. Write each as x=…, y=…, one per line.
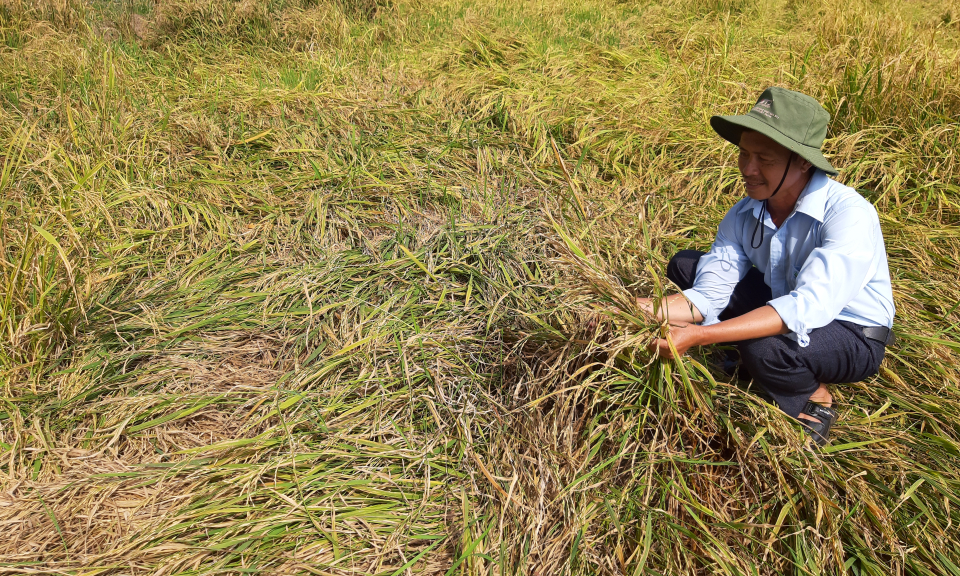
x=759, y=323
x=684, y=336
x=607, y=310
x=674, y=307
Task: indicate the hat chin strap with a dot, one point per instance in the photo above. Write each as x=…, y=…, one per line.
x=763, y=207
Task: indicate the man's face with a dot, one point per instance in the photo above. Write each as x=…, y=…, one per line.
x=762, y=162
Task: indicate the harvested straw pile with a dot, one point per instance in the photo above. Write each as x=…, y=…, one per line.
x=298, y=287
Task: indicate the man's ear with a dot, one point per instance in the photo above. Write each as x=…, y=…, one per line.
x=804, y=165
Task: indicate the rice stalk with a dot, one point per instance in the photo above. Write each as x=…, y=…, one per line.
x=293, y=288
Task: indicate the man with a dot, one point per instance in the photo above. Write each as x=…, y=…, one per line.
x=797, y=276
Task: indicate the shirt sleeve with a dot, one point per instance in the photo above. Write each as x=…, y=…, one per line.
x=833, y=274
x=719, y=270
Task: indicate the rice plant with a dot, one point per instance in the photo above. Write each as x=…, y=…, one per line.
x=305, y=286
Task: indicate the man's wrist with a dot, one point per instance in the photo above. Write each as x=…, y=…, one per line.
x=703, y=334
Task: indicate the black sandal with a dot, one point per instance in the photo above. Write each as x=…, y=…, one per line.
x=818, y=431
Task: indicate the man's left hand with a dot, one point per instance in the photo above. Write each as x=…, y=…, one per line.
x=683, y=337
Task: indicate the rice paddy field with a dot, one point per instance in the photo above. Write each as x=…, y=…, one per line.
x=302, y=287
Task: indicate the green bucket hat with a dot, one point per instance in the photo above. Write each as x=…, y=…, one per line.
x=794, y=120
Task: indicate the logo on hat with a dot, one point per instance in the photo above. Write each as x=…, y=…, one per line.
x=763, y=107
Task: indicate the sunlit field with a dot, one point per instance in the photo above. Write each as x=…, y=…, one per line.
x=302, y=286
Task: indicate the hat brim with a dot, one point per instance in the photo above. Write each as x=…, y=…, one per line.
x=731, y=127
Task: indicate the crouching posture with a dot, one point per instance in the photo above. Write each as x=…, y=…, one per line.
x=797, y=276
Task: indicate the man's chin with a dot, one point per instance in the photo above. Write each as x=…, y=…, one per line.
x=757, y=193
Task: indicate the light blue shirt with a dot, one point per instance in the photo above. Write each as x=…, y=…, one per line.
x=826, y=261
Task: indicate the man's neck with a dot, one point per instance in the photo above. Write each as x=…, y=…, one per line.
x=783, y=203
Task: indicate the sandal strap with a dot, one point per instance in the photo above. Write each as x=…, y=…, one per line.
x=820, y=412
x=826, y=415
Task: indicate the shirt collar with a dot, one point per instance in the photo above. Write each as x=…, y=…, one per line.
x=812, y=201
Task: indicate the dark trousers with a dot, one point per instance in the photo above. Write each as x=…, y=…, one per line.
x=838, y=352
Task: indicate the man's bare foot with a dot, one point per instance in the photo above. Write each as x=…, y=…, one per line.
x=821, y=396
x=818, y=416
